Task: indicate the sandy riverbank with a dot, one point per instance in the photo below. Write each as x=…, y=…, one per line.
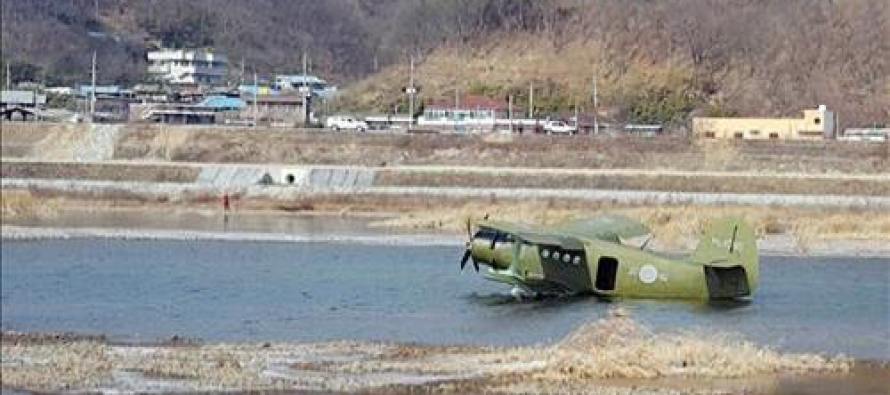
x=613, y=355
x=410, y=221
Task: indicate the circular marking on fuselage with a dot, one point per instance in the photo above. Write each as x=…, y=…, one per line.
x=648, y=274
x=545, y=253
x=566, y=258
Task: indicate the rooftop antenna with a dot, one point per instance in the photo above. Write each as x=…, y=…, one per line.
x=735, y=231
x=646, y=243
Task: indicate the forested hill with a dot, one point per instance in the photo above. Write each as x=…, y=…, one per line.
x=654, y=60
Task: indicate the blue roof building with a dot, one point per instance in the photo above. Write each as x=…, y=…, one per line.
x=222, y=103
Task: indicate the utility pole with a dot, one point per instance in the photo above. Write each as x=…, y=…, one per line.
x=241, y=76
x=306, y=92
x=577, y=129
x=596, y=123
x=456, y=98
x=836, y=128
x=510, y=112
x=93, y=91
x=256, y=105
x=8, y=77
x=305, y=67
x=531, y=100
x=411, y=92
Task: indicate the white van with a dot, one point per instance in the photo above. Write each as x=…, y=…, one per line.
x=559, y=127
x=345, y=122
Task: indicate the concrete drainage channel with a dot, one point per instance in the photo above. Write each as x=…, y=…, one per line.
x=223, y=177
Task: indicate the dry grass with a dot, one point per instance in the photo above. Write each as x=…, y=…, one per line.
x=673, y=226
x=209, y=367
x=22, y=204
x=620, y=347
x=96, y=171
x=655, y=182
x=614, y=347
x=54, y=367
x=504, y=64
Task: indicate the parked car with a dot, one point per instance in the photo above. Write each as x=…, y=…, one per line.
x=559, y=127
x=345, y=122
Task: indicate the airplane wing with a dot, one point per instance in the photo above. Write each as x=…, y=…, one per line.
x=530, y=235
x=614, y=228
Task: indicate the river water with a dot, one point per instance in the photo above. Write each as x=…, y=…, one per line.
x=259, y=291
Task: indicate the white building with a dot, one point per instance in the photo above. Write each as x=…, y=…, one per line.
x=187, y=66
x=318, y=86
x=875, y=135
x=472, y=114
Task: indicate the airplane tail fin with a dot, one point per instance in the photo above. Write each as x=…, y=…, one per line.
x=728, y=252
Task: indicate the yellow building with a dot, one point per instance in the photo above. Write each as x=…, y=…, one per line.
x=816, y=124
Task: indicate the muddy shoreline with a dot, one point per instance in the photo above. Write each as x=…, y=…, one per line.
x=617, y=356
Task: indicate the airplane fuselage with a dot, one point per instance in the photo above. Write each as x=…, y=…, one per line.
x=548, y=264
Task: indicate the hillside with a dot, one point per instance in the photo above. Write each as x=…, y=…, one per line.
x=655, y=61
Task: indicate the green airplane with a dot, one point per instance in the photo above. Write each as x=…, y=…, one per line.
x=590, y=257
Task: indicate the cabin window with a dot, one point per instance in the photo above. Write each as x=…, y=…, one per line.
x=709, y=135
x=739, y=135
x=817, y=121
x=606, y=269
x=774, y=136
x=290, y=178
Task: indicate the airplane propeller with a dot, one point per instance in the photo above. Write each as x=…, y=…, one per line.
x=468, y=254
